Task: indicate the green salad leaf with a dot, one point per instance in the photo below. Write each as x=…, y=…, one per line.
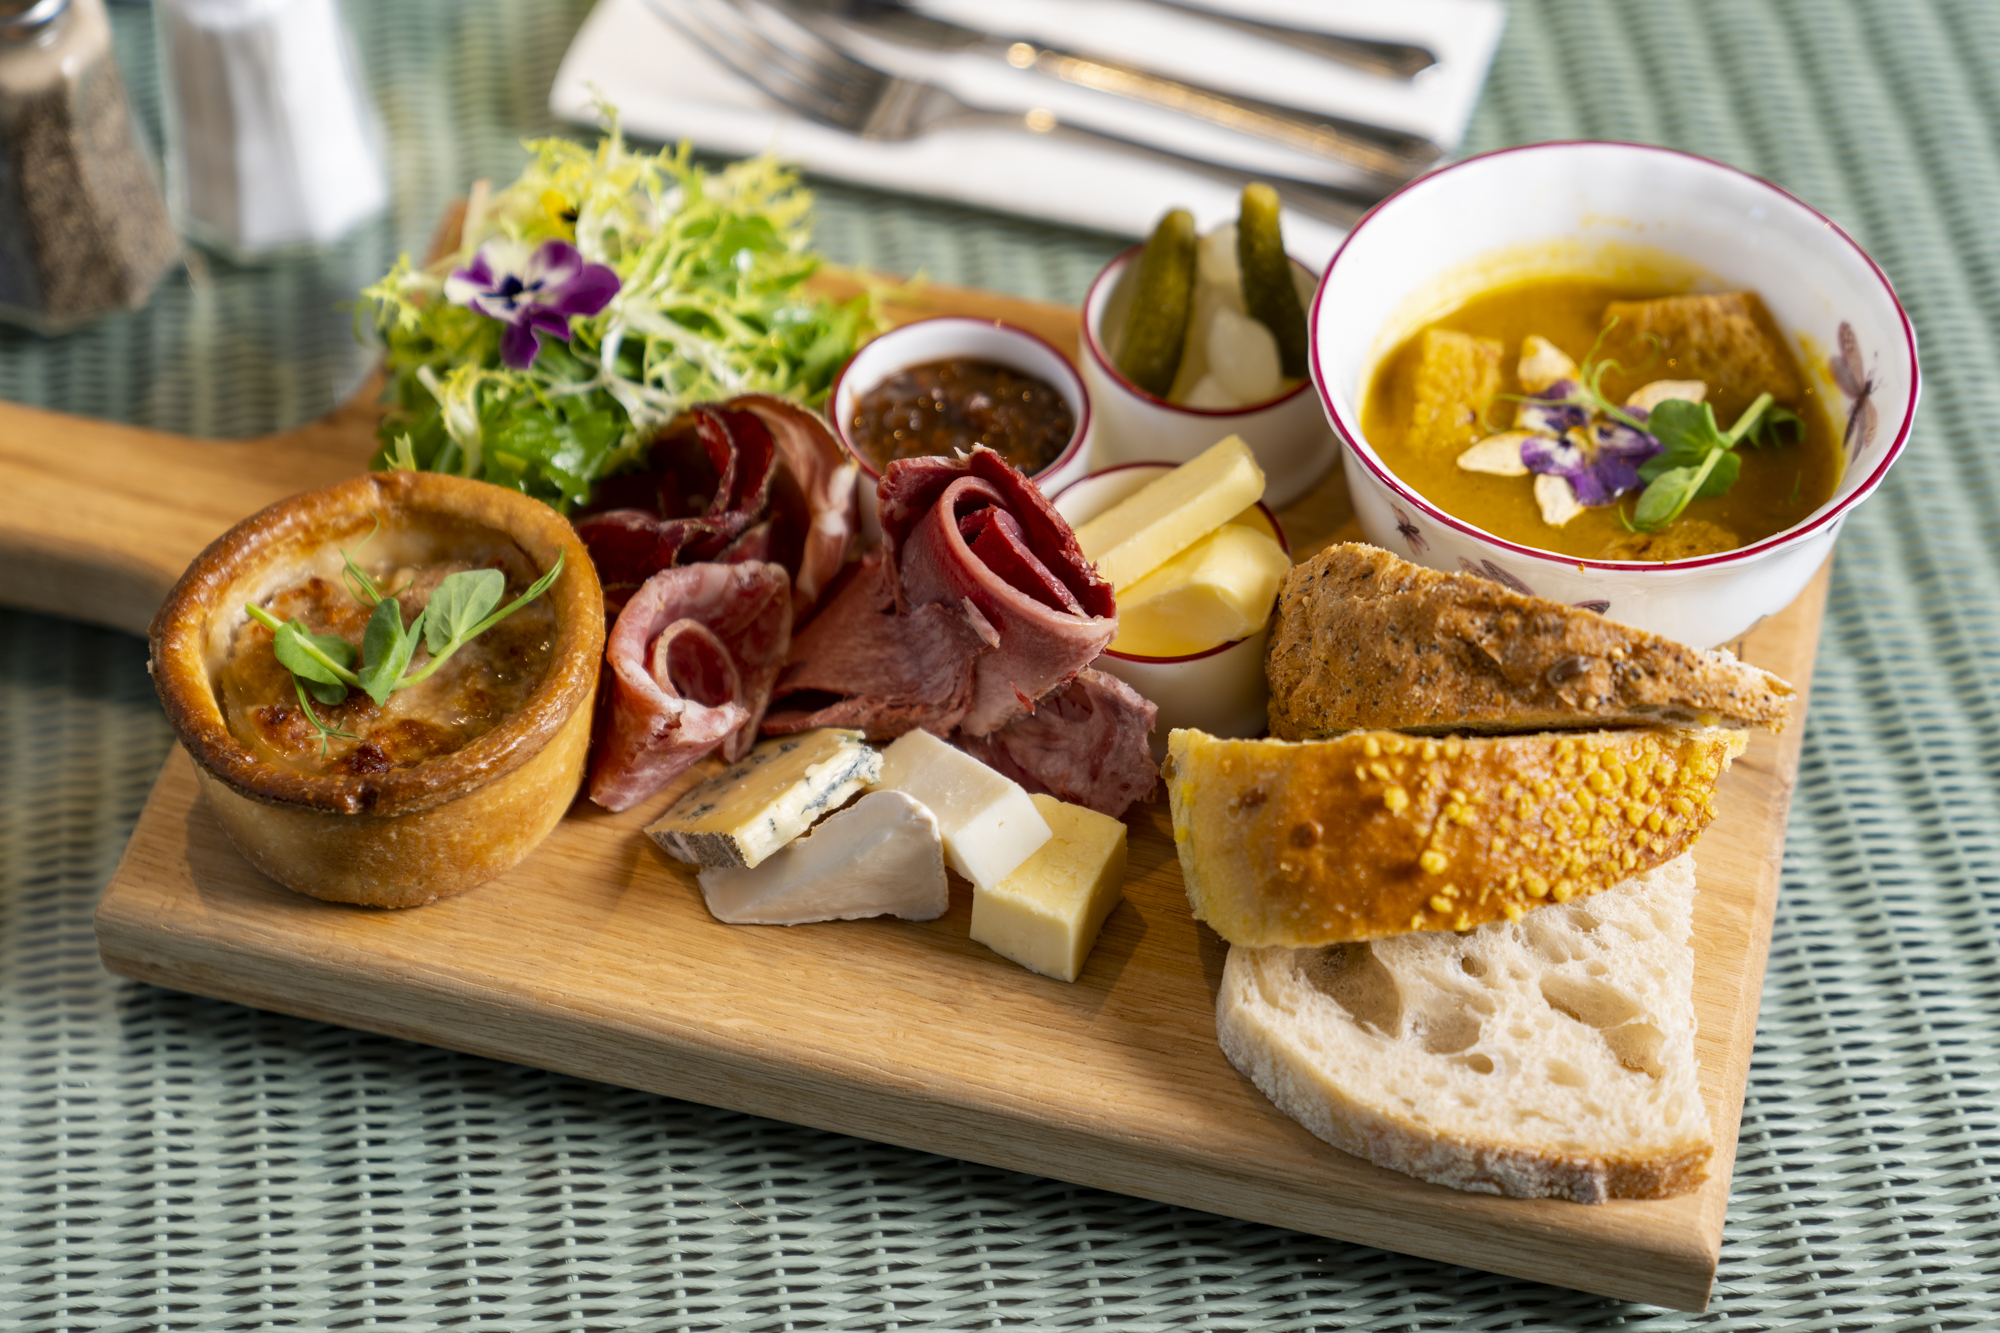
x=711, y=267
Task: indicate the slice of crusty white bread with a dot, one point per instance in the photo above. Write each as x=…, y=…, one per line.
x=1548, y=1057
x=1375, y=833
x=1364, y=639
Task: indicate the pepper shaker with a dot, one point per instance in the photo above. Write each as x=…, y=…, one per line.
x=271, y=144
x=83, y=229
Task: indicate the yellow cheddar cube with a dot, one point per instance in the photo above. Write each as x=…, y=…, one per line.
x=1171, y=513
x=1046, y=915
x=1217, y=591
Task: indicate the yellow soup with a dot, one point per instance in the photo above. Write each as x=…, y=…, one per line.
x=1449, y=385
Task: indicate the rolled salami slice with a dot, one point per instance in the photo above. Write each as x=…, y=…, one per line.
x=691, y=660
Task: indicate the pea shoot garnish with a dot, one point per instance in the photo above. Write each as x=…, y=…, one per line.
x=326, y=666
x=1697, y=457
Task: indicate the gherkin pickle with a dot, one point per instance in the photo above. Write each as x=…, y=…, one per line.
x=1156, y=326
x=1268, y=291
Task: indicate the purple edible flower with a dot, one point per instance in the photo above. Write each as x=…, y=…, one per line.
x=533, y=294
x=1556, y=410
x=1600, y=461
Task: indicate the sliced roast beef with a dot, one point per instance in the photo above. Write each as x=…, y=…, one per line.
x=691, y=659
x=1085, y=743
x=917, y=665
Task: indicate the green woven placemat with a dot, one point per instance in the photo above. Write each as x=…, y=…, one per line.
x=169, y=1162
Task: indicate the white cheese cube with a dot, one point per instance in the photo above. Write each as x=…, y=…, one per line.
x=1046, y=915
x=879, y=857
x=767, y=798
x=1171, y=513
x=988, y=823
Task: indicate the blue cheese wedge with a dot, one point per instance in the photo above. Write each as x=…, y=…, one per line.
x=880, y=856
x=766, y=799
x=1046, y=915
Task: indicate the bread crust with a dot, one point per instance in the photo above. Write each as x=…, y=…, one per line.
x=1273, y=1026
x=1364, y=639
x=1378, y=833
x=409, y=835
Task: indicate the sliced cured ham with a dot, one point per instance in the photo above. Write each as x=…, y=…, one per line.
x=1085, y=743
x=811, y=462
x=629, y=546
x=1019, y=611
x=753, y=478
x=691, y=662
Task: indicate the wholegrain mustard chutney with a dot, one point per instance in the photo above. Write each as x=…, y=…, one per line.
x=942, y=407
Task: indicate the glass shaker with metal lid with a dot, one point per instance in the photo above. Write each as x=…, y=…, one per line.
x=83, y=229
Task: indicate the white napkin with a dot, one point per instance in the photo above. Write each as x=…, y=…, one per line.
x=666, y=88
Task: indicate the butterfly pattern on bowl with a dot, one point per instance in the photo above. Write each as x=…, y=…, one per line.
x=1850, y=372
x=1487, y=569
x=1413, y=536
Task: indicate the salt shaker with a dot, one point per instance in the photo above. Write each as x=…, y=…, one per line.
x=271, y=145
x=83, y=229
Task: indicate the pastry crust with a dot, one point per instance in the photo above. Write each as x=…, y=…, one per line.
x=408, y=835
x=1364, y=639
x=1377, y=833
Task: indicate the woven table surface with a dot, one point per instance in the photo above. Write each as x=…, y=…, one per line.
x=170, y=1162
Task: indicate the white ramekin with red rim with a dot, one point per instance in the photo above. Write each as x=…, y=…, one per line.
x=1288, y=434
x=1220, y=690
x=956, y=337
x=1583, y=207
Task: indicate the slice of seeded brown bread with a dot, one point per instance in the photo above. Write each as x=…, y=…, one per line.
x=1366, y=640
x=1547, y=1057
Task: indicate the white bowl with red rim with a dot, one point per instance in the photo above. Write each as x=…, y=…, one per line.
x=1288, y=433
x=1587, y=207
x=1220, y=690
x=952, y=338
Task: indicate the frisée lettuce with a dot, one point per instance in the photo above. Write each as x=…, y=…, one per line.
x=709, y=303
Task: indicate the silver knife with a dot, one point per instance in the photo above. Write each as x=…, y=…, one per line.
x=1389, y=60
x=1386, y=157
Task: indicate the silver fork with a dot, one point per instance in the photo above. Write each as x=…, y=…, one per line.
x=816, y=79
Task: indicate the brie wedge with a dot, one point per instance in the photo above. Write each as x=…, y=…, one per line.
x=879, y=857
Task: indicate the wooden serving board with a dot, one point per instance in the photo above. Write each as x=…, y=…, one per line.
x=596, y=958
